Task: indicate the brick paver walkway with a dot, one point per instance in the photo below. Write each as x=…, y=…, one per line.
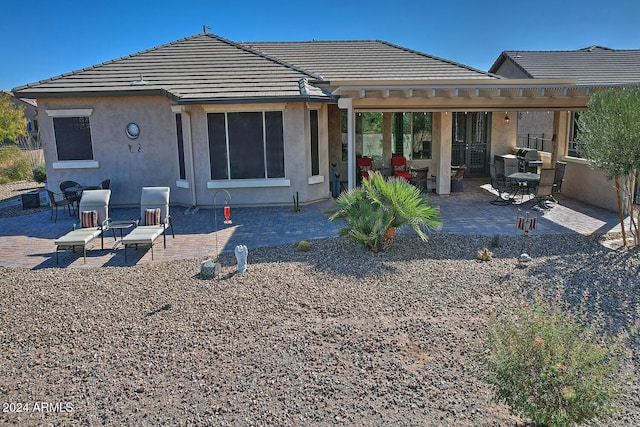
x=27, y=241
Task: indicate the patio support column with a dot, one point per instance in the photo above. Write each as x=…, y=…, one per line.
x=442, y=123
x=387, y=138
x=351, y=141
x=560, y=135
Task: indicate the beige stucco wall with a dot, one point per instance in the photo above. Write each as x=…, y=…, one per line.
x=152, y=159
x=503, y=135
x=588, y=185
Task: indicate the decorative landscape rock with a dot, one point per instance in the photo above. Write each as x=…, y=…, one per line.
x=336, y=335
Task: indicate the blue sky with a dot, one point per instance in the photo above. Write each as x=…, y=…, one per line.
x=41, y=39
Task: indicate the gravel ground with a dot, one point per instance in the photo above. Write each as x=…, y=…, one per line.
x=333, y=336
x=10, y=202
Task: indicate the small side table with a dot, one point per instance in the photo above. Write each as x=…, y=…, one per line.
x=120, y=225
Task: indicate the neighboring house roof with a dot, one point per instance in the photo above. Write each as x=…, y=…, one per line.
x=201, y=68
x=594, y=65
x=365, y=60
x=206, y=68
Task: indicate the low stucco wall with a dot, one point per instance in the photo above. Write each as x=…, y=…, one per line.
x=588, y=185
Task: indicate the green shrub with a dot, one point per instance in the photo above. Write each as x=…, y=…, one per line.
x=555, y=366
x=40, y=173
x=304, y=246
x=14, y=165
x=19, y=170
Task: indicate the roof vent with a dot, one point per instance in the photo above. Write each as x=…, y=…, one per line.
x=142, y=81
x=303, y=84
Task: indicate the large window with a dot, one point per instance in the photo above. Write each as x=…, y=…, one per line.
x=183, y=173
x=411, y=134
x=315, y=155
x=246, y=145
x=73, y=138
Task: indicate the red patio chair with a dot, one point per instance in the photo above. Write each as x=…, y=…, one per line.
x=399, y=165
x=364, y=166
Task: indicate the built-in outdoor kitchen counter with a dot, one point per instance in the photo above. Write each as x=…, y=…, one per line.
x=521, y=159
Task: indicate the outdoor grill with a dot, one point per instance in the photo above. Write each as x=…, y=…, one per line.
x=528, y=160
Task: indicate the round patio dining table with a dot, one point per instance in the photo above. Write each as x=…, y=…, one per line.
x=526, y=182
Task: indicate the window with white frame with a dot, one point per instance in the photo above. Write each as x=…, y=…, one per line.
x=315, y=155
x=246, y=145
x=73, y=138
x=180, y=141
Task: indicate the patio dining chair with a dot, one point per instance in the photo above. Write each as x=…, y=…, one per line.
x=365, y=165
x=544, y=190
x=558, y=179
x=55, y=204
x=501, y=185
x=399, y=165
x=71, y=191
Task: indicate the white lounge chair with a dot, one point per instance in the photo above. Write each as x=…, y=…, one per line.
x=94, y=203
x=146, y=233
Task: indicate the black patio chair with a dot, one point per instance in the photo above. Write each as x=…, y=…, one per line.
x=55, y=204
x=72, y=191
x=558, y=179
x=501, y=185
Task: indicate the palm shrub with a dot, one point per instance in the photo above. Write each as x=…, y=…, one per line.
x=374, y=211
x=553, y=365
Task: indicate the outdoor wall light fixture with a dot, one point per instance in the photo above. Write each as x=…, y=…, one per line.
x=506, y=119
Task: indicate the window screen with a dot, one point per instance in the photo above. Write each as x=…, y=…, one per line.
x=183, y=174
x=254, y=142
x=315, y=159
x=217, y=146
x=73, y=138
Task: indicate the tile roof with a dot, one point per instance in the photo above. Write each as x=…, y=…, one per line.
x=592, y=65
x=201, y=68
x=208, y=68
x=365, y=60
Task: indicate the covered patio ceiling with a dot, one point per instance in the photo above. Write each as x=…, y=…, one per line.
x=468, y=95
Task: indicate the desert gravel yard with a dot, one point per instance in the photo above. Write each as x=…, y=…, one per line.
x=333, y=336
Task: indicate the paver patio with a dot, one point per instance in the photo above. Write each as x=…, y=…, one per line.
x=27, y=241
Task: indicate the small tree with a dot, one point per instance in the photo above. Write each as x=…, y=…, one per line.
x=609, y=132
x=12, y=121
x=375, y=210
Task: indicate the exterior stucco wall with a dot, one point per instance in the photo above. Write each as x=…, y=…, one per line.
x=588, y=185
x=503, y=135
x=152, y=159
x=149, y=160
x=297, y=153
